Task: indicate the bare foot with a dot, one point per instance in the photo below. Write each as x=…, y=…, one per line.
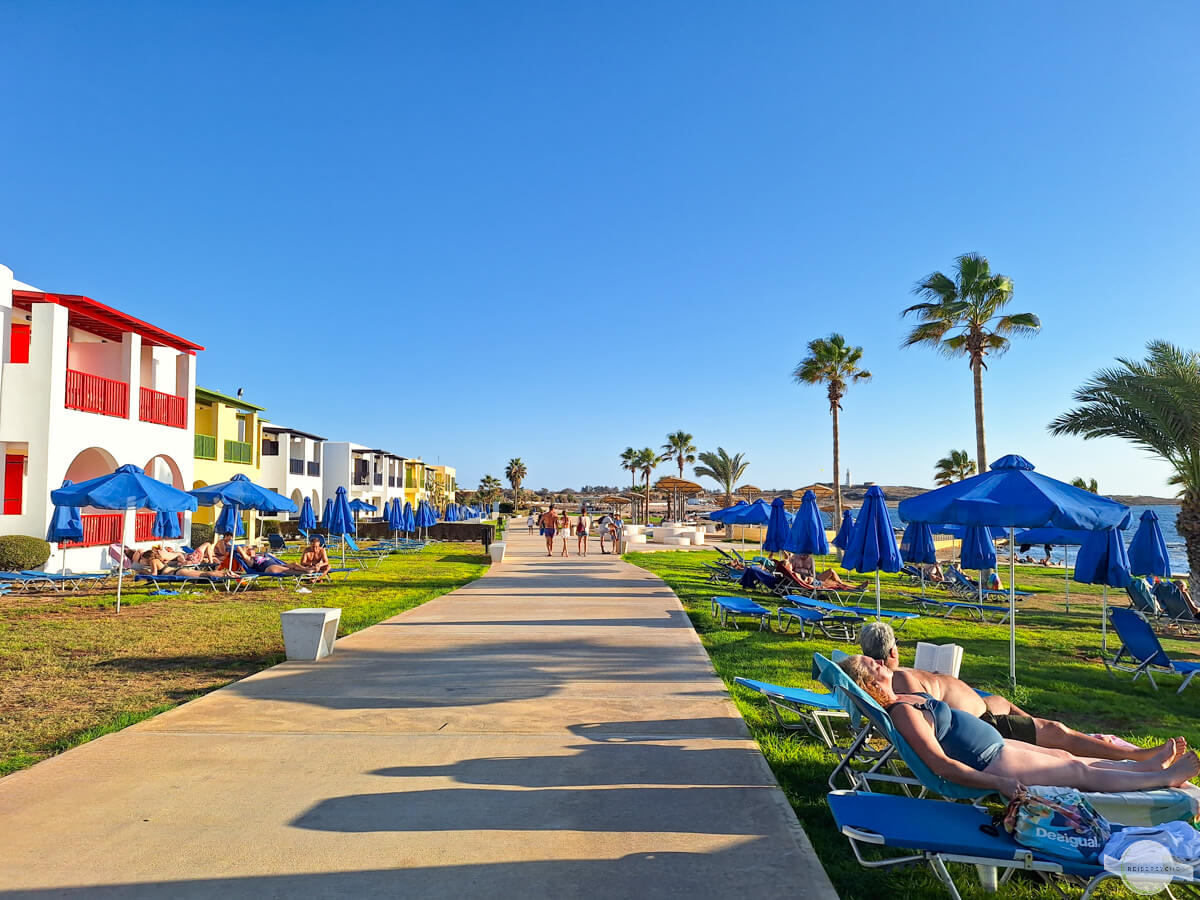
x=1184, y=769
x=1161, y=756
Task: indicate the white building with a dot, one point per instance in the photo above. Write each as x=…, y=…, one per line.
x=85, y=388
x=374, y=476
x=291, y=465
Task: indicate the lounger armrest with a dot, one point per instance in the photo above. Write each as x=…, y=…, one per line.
x=861, y=834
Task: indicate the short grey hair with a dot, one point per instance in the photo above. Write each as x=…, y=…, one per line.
x=877, y=640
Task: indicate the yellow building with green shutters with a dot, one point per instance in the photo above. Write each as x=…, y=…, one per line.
x=228, y=443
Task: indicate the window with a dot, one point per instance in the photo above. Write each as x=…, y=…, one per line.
x=241, y=428
x=18, y=343
x=270, y=448
x=14, y=485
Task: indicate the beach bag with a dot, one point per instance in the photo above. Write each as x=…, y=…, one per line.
x=1058, y=822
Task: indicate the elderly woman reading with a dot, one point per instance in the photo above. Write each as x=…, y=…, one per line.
x=964, y=749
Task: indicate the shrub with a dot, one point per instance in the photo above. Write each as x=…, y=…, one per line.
x=507, y=509
x=201, y=534
x=19, y=551
x=270, y=526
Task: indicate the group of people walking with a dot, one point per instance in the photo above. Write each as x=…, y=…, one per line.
x=557, y=524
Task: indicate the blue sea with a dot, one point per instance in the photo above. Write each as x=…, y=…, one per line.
x=1166, y=521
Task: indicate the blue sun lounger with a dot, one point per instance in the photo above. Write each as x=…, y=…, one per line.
x=898, y=619
x=837, y=626
x=1141, y=652
x=938, y=833
x=947, y=608
x=965, y=587
x=724, y=608
x=213, y=580
x=807, y=711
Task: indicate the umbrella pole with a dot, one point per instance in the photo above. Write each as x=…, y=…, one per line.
x=121, y=568
x=1067, y=574
x=1104, y=622
x=1012, y=606
x=878, y=610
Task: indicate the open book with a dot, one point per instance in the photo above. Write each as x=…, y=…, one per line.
x=945, y=659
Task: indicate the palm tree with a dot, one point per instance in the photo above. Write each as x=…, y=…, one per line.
x=680, y=448
x=960, y=317
x=954, y=467
x=629, y=464
x=1086, y=484
x=724, y=469
x=646, y=460
x=1155, y=403
x=489, y=486
x=515, y=472
x=832, y=363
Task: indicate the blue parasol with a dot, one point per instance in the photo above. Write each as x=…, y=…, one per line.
x=341, y=519
x=166, y=525
x=1102, y=560
x=1148, y=550
x=841, y=540
x=807, y=535
x=777, y=527
x=65, y=525
x=917, y=547
x=872, y=546
x=308, y=521
x=410, y=520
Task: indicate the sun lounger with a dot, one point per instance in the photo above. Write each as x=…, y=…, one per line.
x=974, y=609
x=718, y=574
x=1141, y=598
x=1141, y=652
x=212, y=581
x=796, y=709
x=724, y=608
x=965, y=587
x=897, y=619
x=840, y=626
x=940, y=833
x=1174, y=608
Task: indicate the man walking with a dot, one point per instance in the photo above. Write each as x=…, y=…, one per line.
x=549, y=524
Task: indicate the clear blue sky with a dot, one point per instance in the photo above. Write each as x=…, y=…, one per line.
x=482, y=230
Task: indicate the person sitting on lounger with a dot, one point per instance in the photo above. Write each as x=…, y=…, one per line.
x=315, y=557
x=221, y=550
x=828, y=580
x=199, y=556
x=259, y=562
x=1013, y=723
x=934, y=574
x=966, y=750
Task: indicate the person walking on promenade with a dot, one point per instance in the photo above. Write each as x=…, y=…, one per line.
x=549, y=523
x=582, y=526
x=533, y=517
x=564, y=525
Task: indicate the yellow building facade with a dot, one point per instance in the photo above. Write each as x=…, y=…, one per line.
x=228, y=442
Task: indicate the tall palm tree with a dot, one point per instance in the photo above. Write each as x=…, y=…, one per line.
x=647, y=459
x=515, y=472
x=680, y=448
x=724, y=469
x=629, y=464
x=489, y=486
x=1086, y=484
x=834, y=364
x=1155, y=403
x=960, y=317
x=954, y=467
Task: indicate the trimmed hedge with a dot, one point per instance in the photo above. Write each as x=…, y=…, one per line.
x=19, y=551
x=201, y=534
x=507, y=509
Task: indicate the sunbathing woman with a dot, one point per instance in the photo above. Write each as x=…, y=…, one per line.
x=259, y=562
x=155, y=561
x=832, y=581
x=201, y=555
x=966, y=750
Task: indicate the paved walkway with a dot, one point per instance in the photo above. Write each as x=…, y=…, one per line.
x=552, y=730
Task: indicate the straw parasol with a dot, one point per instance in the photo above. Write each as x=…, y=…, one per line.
x=749, y=491
x=819, y=489
x=677, y=488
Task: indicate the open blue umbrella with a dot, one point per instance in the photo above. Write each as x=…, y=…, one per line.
x=917, y=547
x=230, y=522
x=1148, y=550
x=841, y=540
x=807, y=534
x=237, y=494
x=166, y=525
x=410, y=520
x=1012, y=494
x=1063, y=537
x=357, y=506
x=308, y=521
x=341, y=519
x=872, y=546
x=723, y=515
x=1102, y=560
x=777, y=527
x=127, y=488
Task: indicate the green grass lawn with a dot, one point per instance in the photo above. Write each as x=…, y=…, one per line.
x=72, y=669
x=1059, y=672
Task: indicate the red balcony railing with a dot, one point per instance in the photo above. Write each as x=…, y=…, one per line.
x=94, y=394
x=163, y=409
x=143, y=526
x=99, y=529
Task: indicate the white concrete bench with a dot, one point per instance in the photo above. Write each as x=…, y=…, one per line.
x=309, y=633
x=678, y=540
x=635, y=538
x=496, y=550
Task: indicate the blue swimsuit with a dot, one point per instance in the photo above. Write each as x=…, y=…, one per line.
x=962, y=736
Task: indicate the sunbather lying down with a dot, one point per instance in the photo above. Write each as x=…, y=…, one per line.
x=802, y=569
x=964, y=749
x=878, y=642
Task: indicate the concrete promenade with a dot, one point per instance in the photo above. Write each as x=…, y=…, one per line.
x=552, y=730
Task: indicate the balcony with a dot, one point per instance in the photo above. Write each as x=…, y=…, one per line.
x=314, y=468
x=360, y=478
x=91, y=393
x=162, y=409
x=206, y=447
x=99, y=529
x=378, y=478
x=296, y=466
x=392, y=479
x=270, y=448
x=239, y=452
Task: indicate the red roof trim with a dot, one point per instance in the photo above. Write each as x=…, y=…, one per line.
x=105, y=320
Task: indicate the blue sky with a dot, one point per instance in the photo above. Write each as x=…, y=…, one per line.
x=473, y=231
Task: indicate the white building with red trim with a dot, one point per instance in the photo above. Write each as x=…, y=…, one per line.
x=85, y=388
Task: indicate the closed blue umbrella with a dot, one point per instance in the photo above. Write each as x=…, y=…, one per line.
x=65, y=525
x=451, y=513
x=341, y=518
x=327, y=513
x=807, y=534
x=1148, y=550
x=127, y=488
x=1102, y=560
x=395, y=517
x=166, y=525
x=410, y=520
x=872, y=546
x=308, y=521
x=387, y=510
x=917, y=547
x=777, y=527
x=425, y=516
x=230, y=521
x=841, y=540
x=978, y=551
x=1012, y=494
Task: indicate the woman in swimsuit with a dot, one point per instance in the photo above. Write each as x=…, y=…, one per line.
x=964, y=749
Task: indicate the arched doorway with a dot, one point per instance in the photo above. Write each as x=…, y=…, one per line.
x=205, y=515
x=162, y=468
